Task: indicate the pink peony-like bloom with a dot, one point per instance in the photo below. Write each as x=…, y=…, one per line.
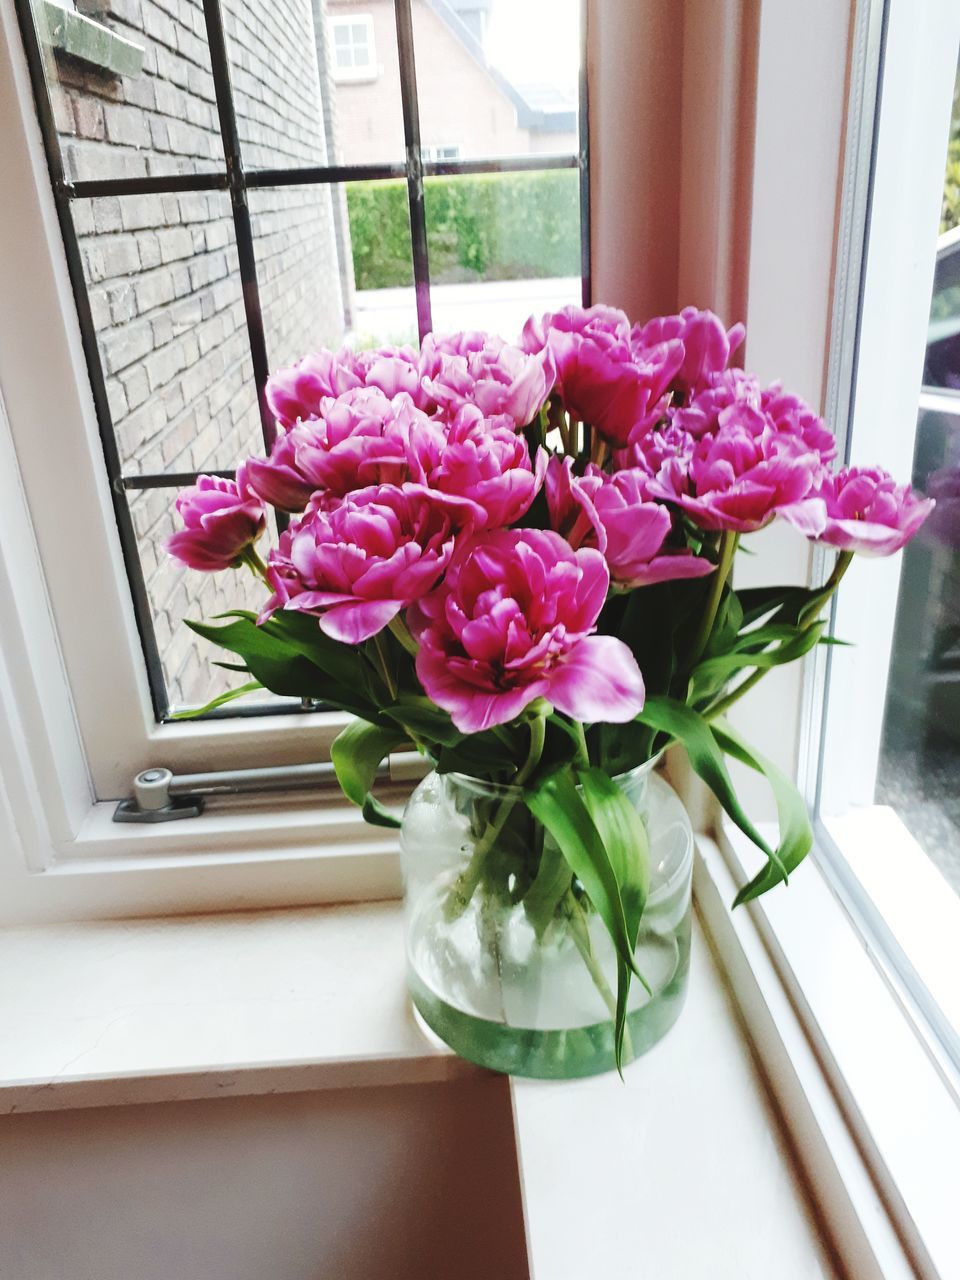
x=513, y=621
x=707, y=344
x=600, y=379
x=278, y=479
x=484, y=466
x=364, y=438
x=297, y=393
x=742, y=476
x=483, y=370
x=733, y=394
x=222, y=518
x=612, y=514
x=358, y=564
x=868, y=512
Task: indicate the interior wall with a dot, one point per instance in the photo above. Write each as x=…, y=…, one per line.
x=406, y=1183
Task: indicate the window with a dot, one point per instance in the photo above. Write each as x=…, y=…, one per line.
x=216, y=225
x=213, y=234
x=887, y=782
x=354, y=53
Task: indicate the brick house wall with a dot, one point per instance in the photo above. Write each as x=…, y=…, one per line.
x=460, y=102
x=162, y=270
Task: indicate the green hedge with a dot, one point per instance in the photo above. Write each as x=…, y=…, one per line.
x=510, y=226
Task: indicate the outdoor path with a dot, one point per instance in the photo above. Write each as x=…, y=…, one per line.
x=500, y=306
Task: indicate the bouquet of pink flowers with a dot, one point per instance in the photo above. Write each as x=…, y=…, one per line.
x=518, y=557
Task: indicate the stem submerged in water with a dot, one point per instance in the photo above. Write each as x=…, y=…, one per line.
x=466, y=883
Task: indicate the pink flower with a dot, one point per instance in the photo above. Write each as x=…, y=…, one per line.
x=868, y=512
x=742, y=476
x=611, y=513
x=600, y=380
x=731, y=394
x=357, y=565
x=513, y=622
x=483, y=370
x=222, y=518
x=707, y=345
x=278, y=479
x=362, y=438
x=484, y=465
x=297, y=393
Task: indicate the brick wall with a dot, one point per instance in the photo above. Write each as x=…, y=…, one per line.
x=162, y=270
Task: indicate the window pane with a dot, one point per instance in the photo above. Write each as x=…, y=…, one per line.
x=502, y=247
x=275, y=59
x=167, y=303
x=499, y=78
x=315, y=248
x=366, y=109
x=132, y=89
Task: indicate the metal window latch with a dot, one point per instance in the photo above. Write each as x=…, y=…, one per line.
x=162, y=796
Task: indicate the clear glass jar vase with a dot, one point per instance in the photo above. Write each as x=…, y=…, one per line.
x=515, y=970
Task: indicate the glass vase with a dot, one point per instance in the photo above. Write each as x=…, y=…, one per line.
x=514, y=969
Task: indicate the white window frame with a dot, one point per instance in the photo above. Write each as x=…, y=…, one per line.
x=353, y=74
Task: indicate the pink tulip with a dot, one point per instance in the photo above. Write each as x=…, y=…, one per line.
x=363, y=438
x=297, y=393
x=867, y=512
x=612, y=514
x=484, y=465
x=222, y=517
x=742, y=476
x=479, y=369
x=357, y=565
x=513, y=622
x=707, y=345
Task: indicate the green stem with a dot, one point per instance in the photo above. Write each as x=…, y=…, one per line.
x=466, y=883
x=251, y=558
x=383, y=664
x=583, y=755
x=728, y=549
x=399, y=630
x=807, y=619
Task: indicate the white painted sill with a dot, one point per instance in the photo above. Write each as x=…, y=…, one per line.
x=182, y=1008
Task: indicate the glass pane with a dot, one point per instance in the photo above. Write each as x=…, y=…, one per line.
x=176, y=593
x=318, y=252
x=168, y=308
x=299, y=102
x=498, y=77
x=275, y=60
x=132, y=88
x=919, y=774
x=502, y=247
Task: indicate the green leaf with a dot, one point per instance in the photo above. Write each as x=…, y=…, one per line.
x=424, y=718
x=557, y=804
x=560, y=807
x=279, y=665
x=711, y=675
x=689, y=727
x=357, y=752
x=548, y=889
x=796, y=833
x=624, y=837
x=218, y=701
x=759, y=602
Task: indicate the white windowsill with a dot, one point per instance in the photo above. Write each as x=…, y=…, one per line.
x=135, y=1011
